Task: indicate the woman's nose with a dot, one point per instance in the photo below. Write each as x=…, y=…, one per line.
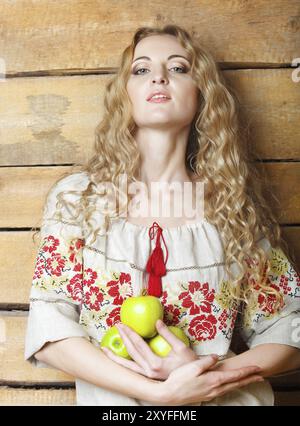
x=160, y=77
x=159, y=80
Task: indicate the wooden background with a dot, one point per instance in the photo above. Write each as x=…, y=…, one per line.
x=58, y=56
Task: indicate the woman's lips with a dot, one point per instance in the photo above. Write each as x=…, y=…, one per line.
x=159, y=100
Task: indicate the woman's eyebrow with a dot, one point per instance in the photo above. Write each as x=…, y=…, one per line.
x=170, y=57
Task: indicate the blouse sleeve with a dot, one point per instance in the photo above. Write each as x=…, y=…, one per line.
x=56, y=290
x=260, y=322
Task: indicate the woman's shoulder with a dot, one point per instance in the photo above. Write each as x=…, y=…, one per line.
x=72, y=182
x=68, y=187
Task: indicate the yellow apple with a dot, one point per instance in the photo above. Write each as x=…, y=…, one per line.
x=112, y=340
x=161, y=347
x=141, y=313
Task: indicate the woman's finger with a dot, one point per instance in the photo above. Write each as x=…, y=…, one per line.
x=238, y=374
x=122, y=361
x=137, y=348
x=173, y=341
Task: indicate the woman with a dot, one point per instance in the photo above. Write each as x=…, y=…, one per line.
x=169, y=119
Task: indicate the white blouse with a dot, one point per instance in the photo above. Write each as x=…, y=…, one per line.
x=78, y=289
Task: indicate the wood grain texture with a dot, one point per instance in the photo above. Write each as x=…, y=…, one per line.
x=63, y=397
x=268, y=102
x=24, y=397
x=282, y=180
x=24, y=192
x=43, y=35
x=53, y=121
x=13, y=367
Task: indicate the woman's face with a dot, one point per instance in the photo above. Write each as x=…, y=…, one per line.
x=161, y=73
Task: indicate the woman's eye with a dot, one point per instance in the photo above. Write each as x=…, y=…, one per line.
x=137, y=71
x=183, y=69
x=180, y=68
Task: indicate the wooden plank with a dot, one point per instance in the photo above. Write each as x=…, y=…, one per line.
x=292, y=238
x=35, y=36
x=282, y=180
x=18, y=254
x=23, y=397
x=13, y=367
x=49, y=120
x=23, y=191
x=35, y=397
x=52, y=120
x=269, y=103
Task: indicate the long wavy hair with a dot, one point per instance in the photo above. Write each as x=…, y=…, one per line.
x=216, y=152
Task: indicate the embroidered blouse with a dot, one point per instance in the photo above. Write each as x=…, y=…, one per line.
x=78, y=289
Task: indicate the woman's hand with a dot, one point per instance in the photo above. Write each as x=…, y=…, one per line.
x=145, y=361
x=196, y=381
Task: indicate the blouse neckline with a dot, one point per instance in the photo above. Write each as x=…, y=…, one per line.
x=170, y=229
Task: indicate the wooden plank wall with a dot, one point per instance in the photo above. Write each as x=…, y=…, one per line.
x=57, y=59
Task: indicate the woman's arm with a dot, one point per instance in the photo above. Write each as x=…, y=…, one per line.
x=187, y=384
x=81, y=359
x=273, y=358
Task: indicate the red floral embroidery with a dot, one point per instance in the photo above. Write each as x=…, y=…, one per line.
x=75, y=287
x=55, y=264
x=94, y=298
x=54, y=261
x=223, y=320
x=196, y=309
x=78, y=267
x=74, y=249
x=198, y=298
x=89, y=277
x=39, y=268
x=267, y=302
x=163, y=297
x=203, y=327
x=114, y=317
x=116, y=288
x=284, y=281
x=171, y=315
x=51, y=245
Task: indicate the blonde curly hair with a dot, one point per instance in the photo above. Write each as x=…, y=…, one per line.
x=216, y=153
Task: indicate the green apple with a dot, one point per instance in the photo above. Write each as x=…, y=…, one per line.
x=112, y=340
x=141, y=313
x=161, y=347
